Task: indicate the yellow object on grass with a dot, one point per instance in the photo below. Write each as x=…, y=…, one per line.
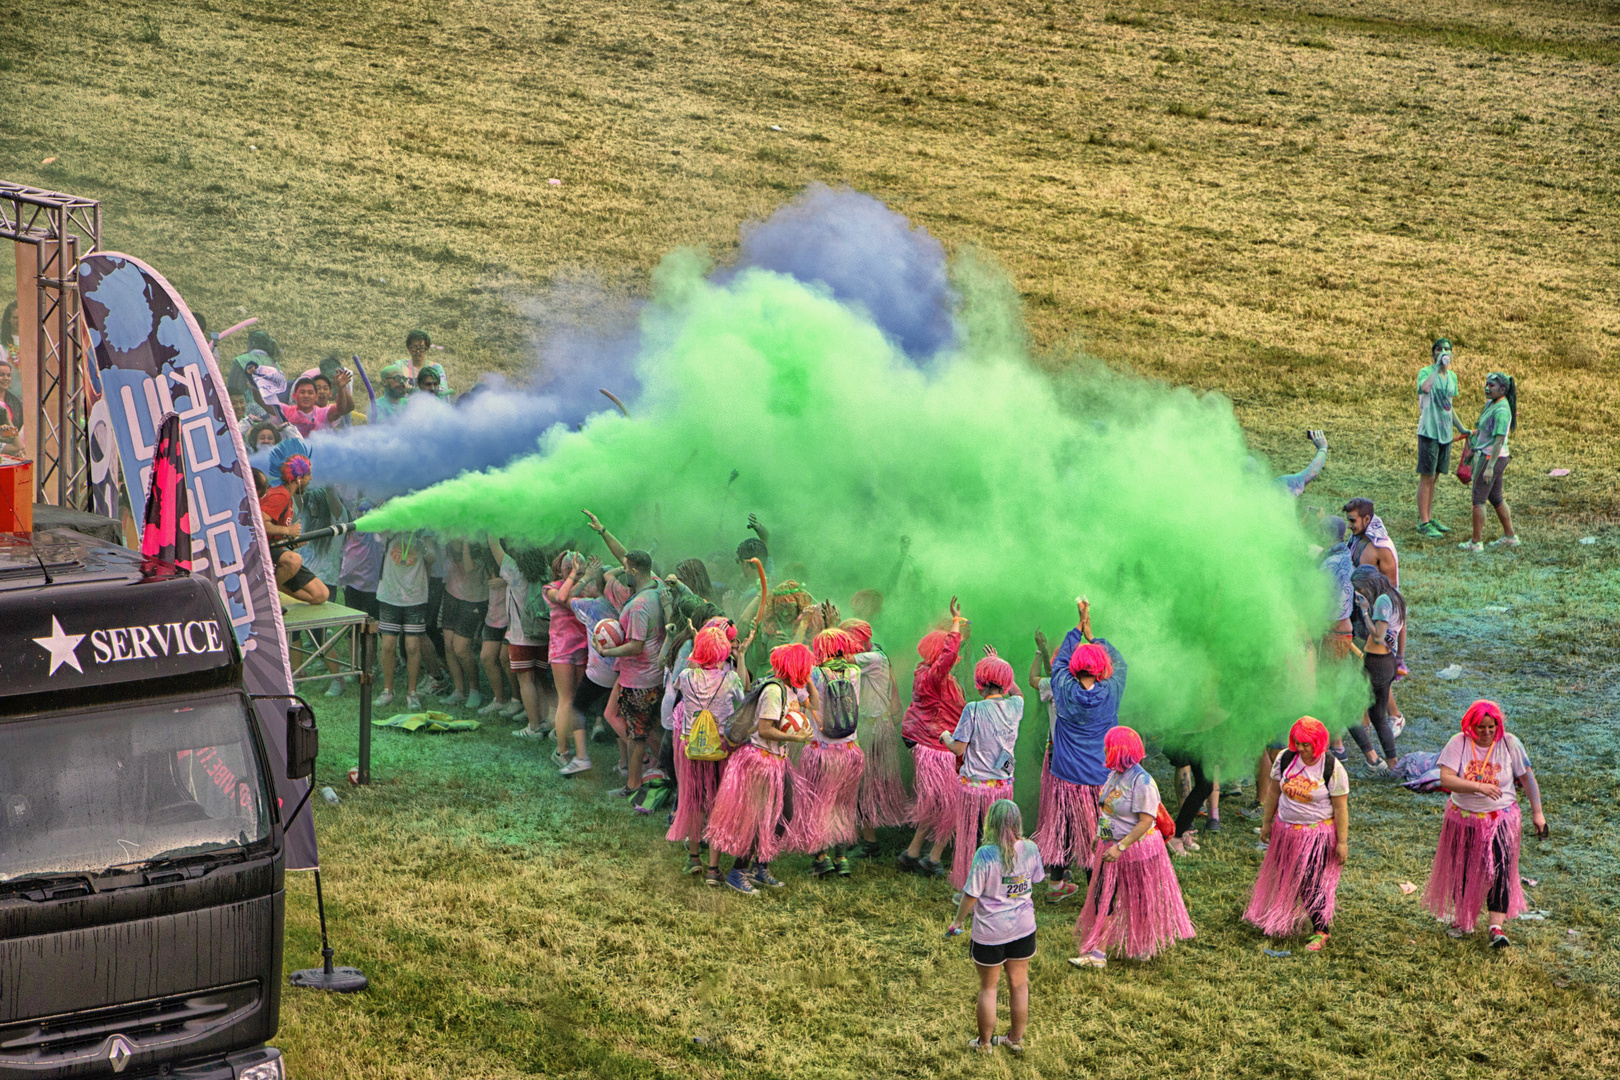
x=435, y=723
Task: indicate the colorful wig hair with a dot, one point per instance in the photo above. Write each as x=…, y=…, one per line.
x=293, y=468
x=1122, y=749
x=1091, y=660
x=831, y=644
x=1311, y=732
x=861, y=631
x=710, y=648
x=994, y=672
x=1478, y=711
x=728, y=627
x=792, y=663
x=1003, y=828
x=929, y=646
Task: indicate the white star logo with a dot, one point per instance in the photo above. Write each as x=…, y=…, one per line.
x=61, y=647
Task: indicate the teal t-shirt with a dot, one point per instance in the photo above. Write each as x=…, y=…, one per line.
x=1494, y=422
x=1434, y=405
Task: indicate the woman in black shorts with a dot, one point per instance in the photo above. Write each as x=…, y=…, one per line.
x=1000, y=892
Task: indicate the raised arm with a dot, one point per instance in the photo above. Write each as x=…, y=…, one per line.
x=760, y=530
x=1041, y=666
x=344, y=397
x=614, y=547
x=496, y=552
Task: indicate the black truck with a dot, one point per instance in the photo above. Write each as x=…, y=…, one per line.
x=141, y=856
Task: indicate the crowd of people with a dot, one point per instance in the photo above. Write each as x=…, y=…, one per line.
x=762, y=721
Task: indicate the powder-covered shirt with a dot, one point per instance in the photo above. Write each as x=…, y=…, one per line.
x=567, y=633
x=1493, y=424
x=1337, y=566
x=1304, y=799
x=643, y=620
x=590, y=611
x=936, y=699
x=1501, y=765
x=469, y=586
x=821, y=676
x=1127, y=795
x=1384, y=610
x=362, y=561
x=517, y=594
x=1434, y=404
x=495, y=617
x=318, y=417
x=990, y=729
x=1005, y=908
x=1043, y=690
x=719, y=690
x=773, y=705
x=1083, y=716
x=404, y=581
x=877, y=684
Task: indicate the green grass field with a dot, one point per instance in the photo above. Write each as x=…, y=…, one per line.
x=1277, y=200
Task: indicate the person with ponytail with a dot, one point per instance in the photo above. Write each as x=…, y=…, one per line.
x=936, y=705
x=1476, y=864
x=754, y=807
x=1134, y=906
x=1307, y=833
x=883, y=801
x=709, y=681
x=1488, y=448
x=1000, y=894
x=1088, y=680
x=984, y=740
x=831, y=766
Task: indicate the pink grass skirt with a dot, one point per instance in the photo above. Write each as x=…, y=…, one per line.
x=1066, y=822
x=1467, y=862
x=1134, y=906
x=825, y=797
x=935, y=781
x=883, y=798
x=1300, y=871
x=697, y=784
x=973, y=799
x=748, y=806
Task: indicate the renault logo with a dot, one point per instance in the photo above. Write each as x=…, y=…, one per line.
x=119, y=1052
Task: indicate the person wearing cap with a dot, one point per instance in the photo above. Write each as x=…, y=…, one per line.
x=1436, y=388
x=1488, y=446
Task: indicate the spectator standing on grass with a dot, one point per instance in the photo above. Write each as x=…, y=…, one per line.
x=1371, y=545
x=525, y=653
x=1000, y=893
x=1436, y=388
x=1488, y=444
x=1382, y=612
x=640, y=670
x=402, y=595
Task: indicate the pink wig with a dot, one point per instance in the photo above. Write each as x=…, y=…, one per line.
x=1091, y=660
x=994, y=673
x=1311, y=732
x=723, y=623
x=831, y=643
x=861, y=631
x=1478, y=711
x=792, y=663
x=1122, y=749
x=710, y=648
x=293, y=468
x=929, y=646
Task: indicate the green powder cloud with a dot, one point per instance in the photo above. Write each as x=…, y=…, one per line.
x=1018, y=492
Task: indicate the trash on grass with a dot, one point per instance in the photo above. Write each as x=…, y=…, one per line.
x=329, y=795
x=1588, y=539
x=1407, y=888
x=1534, y=915
x=1277, y=954
x=1529, y=882
x=1452, y=671
x=1559, y=472
x=554, y=182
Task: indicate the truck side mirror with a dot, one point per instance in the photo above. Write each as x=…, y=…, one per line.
x=303, y=741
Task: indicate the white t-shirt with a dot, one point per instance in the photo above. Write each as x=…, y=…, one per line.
x=1304, y=799
x=404, y=580
x=517, y=593
x=990, y=729
x=876, y=685
x=772, y=705
x=1006, y=899
x=1043, y=690
x=1504, y=763
x=1127, y=795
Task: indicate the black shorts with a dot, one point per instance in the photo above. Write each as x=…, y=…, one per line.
x=494, y=633
x=303, y=577
x=591, y=698
x=410, y=621
x=996, y=955
x=462, y=617
x=1487, y=487
x=360, y=600
x=1434, y=456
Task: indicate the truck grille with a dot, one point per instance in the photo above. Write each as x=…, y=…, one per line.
x=149, y=1025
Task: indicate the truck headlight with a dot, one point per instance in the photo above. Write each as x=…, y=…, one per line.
x=265, y=1070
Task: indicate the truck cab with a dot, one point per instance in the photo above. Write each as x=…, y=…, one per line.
x=141, y=855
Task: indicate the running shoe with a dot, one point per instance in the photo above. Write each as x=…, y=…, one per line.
x=513, y=708
x=842, y=862
x=1002, y=1040
x=1456, y=932
x=1089, y=960
x=622, y=792
x=413, y=702
x=927, y=867
x=1318, y=940
x=1213, y=825
x=739, y=881
x=711, y=877
x=1471, y=545
x=384, y=698
x=1061, y=892
x=909, y=863
x=336, y=687
x=1429, y=530
x=528, y=733
x=494, y=708
x=601, y=733
x=694, y=865
x=821, y=867
x=974, y=1044
x=1499, y=938
x=761, y=875
x=559, y=759
x=1443, y=528
x=575, y=767
x=455, y=697
x=474, y=699
x=1341, y=753
x=1504, y=541
x=869, y=849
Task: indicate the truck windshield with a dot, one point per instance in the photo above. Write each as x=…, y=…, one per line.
x=83, y=792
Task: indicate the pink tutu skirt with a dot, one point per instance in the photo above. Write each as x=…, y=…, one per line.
x=1066, y=823
x=935, y=781
x=748, y=806
x=973, y=799
x=1476, y=852
x=883, y=799
x=1298, y=882
x=697, y=784
x=1134, y=906
x=825, y=797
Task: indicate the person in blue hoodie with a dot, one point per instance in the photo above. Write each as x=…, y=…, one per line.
x=1088, y=680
